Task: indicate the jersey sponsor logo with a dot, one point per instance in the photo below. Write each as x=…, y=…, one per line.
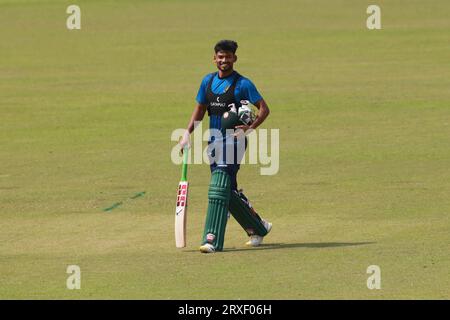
x=217, y=104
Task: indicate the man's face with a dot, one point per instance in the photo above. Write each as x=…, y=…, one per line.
x=225, y=60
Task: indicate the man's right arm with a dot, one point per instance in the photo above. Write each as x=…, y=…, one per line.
x=196, y=117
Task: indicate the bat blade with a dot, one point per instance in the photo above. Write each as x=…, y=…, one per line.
x=181, y=214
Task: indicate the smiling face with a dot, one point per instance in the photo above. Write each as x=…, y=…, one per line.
x=224, y=60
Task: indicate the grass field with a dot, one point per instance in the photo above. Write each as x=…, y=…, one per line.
x=86, y=118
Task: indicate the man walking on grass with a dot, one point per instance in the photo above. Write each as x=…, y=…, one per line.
x=222, y=94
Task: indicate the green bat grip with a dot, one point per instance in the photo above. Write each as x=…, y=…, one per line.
x=184, y=167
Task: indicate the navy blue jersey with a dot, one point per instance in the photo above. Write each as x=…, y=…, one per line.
x=218, y=96
x=245, y=89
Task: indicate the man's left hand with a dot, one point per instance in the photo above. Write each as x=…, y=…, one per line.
x=243, y=129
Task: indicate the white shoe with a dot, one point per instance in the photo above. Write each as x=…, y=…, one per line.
x=207, y=248
x=256, y=240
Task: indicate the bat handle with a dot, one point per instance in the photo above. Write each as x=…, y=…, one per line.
x=184, y=167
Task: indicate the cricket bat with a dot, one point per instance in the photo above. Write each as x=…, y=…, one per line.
x=181, y=208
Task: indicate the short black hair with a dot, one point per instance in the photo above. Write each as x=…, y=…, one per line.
x=226, y=45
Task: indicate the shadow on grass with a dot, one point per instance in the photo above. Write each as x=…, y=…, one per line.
x=275, y=246
x=317, y=245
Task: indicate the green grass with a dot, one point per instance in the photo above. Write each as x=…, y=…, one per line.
x=86, y=118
